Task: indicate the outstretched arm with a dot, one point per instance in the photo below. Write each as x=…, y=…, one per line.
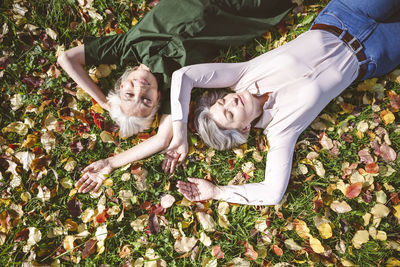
x=73, y=62
x=212, y=75
x=95, y=173
x=268, y=192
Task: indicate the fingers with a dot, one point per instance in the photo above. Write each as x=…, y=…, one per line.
x=189, y=190
x=88, y=186
x=88, y=168
x=82, y=180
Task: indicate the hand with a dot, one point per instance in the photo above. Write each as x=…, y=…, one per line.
x=175, y=154
x=198, y=189
x=94, y=176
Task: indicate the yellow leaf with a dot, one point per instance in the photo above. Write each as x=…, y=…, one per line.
x=206, y=221
x=392, y=262
x=97, y=108
x=361, y=237
x=206, y=240
x=340, y=207
x=108, y=182
x=316, y=245
x=301, y=228
x=29, y=141
x=387, y=117
x=396, y=212
x=106, y=137
x=134, y=21
x=16, y=127
x=140, y=223
x=367, y=84
x=68, y=242
x=325, y=230
x=380, y=211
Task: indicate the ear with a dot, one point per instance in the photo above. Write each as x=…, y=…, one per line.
x=246, y=129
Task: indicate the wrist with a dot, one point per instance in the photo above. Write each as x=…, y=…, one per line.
x=218, y=192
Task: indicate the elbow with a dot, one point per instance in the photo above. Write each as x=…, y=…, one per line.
x=164, y=139
x=71, y=56
x=62, y=59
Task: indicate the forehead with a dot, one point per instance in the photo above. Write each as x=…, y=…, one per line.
x=218, y=116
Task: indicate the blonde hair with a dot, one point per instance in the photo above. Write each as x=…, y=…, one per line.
x=128, y=125
x=209, y=131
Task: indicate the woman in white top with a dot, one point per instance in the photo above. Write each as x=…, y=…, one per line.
x=282, y=91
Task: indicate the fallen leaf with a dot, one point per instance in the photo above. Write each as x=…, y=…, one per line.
x=372, y=168
x=101, y=232
x=292, y=245
x=249, y=251
x=325, y=230
x=353, y=190
x=277, y=250
x=89, y=248
x=125, y=251
x=74, y=207
x=217, y=253
x=239, y=262
x=396, y=212
x=185, y=244
x=395, y=102
x=340, y=206
x=68, y=242
x=316, y=245
x=25, y=158
x=380, y=211
x=361, y=237
x=154, y=224
x=206, y=221
x=301, y=228
x=167, y=201
x=387, y=117
x=387, y=153
x=140, y=223
x=16, y=127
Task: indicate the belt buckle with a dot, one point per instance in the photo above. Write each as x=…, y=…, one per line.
x=357, y=47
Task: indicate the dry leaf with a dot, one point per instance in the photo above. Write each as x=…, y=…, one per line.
x=25, y=158
x=217, y=253
x=316, y=245
x=387, y=117
x=16, y=127
x=101, y=232
x=68, y=242
x=301, y=228
x=249, y=251
x=89, y=248
x=205, y=239
x=239, y=262
x=340, y=207
x=325, y=230
x=140, y=223
x=292, y=245
x=185, y=244
x=361, y=237
x=353, y=190
x=380, y=211
x=167, y=201
x=48, y=140
x=206, y=221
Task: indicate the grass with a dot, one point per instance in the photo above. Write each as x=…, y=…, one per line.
x=23, y=205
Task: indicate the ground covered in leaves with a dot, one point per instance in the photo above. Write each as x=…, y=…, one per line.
x=341, y=207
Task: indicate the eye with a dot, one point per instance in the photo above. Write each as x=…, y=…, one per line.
x=229, y=115
x=129, y=95
x=146, y=101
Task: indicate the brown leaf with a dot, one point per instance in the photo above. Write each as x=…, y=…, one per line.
x=395, y=102
x=125, y=251
x=89, y=248
x=353, y=190
x=22, y=235
x=76, y=146
x=40, y=164
x=74, y=207
x=249, y=251
x=102, y=217
x=154, y=224
x=217, y=253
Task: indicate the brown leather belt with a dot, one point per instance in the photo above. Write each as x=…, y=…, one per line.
x=352, y=42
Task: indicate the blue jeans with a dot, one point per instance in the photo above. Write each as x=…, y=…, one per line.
x=375, y=23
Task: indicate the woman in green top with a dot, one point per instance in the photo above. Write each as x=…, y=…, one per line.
x=173, y=34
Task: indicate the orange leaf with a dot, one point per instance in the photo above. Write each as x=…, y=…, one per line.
x=353, y=190
x=372, y=168
x=277, y=250
x=250, y=253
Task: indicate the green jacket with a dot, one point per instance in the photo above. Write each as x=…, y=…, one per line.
x=176, y=33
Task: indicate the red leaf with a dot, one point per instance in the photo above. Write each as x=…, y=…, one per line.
x=158, y=209
x=102, y=217
x=22, y=235
x=143, y=136
x=32, y=82
x=231, y=163
x=74, y=207
x=89, y=248
x=347, y=138
x=372, y=168
x=353, y=190
x=249, y=251
x=217, y=253
x=367, y=197
x=277, y=250
x=76, y=146
x=136, y=168
x=97, y=119
x=145, y=205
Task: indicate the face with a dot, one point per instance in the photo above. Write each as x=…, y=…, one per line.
x=139, y=92
x=236, y=111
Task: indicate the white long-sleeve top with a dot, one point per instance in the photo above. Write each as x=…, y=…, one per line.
x=302, y=76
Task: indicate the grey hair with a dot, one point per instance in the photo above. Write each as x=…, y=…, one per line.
x=128, y=125
x=209, y=131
